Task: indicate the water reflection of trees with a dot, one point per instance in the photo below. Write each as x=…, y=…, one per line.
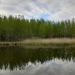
x=17, y=57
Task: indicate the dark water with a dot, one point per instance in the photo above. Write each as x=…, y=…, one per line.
x=20, y=61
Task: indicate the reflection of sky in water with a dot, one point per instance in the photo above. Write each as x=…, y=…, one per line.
x=54, y=67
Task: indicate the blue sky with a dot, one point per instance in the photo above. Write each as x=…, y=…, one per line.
x=46, y=9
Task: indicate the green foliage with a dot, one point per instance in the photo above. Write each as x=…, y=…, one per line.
x=13, y=29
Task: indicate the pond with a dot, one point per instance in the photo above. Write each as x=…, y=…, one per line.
x=21, y=61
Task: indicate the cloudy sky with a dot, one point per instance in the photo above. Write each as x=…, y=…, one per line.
x=46, y=9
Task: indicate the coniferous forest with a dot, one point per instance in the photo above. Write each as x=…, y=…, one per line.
x=14, y=29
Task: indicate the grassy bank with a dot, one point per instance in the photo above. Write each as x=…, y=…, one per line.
x=41, y=43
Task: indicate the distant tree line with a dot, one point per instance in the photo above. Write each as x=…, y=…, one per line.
x=13, y=28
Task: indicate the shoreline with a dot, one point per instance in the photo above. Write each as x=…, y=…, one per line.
x=41, y=43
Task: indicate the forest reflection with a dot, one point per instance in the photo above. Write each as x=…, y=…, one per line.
x=17, y=57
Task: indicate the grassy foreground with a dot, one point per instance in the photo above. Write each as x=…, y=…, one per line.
x=41, y=43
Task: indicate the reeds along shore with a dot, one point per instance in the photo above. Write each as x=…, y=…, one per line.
x=41, y=43
x=14, y=29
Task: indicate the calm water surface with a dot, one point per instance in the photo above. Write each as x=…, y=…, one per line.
x=20, y=61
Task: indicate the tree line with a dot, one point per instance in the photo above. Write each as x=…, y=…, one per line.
x=13, y=28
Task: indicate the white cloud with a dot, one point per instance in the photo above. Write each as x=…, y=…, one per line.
x=56, y=9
